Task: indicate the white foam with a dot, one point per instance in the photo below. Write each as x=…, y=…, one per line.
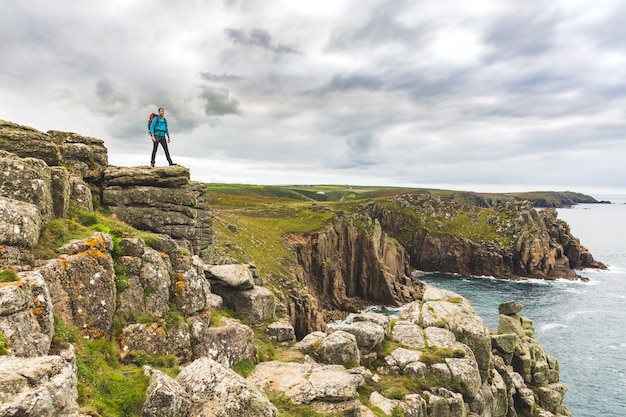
x=575, y=314
x=551, y=326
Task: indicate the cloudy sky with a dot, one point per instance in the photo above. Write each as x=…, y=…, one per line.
x=487, y=95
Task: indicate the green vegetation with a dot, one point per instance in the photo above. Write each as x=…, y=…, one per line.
x=244, y=368
x=81, y=224
x=4, y=343
x=105, y=386
x=432, y=355
x=288, y=409
x=251, y=229
x=8, y=275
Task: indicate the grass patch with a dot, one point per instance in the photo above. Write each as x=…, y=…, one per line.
x=106, y=387
x=432, y=354
x=81, y=224
x=4, y=344
x=288, y=409
x=160, y=361
x=244, y=368
x=256, y=235
x=9, y=275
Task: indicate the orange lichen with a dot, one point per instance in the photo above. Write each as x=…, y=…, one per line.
x=12, y=284
x=179, y=286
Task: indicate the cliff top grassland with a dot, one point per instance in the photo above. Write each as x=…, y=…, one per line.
x=259, y=193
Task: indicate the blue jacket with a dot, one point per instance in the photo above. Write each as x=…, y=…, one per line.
x=159, y=126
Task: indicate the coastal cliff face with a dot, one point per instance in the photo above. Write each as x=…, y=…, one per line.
x=510, y=241
x=347, y=267
x=144, y=299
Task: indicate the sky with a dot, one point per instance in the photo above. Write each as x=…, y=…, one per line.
x=487, y=95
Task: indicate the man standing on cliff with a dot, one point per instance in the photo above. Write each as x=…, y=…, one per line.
x=158, y=131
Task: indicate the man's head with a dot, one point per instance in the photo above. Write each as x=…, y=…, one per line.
x=161, y=111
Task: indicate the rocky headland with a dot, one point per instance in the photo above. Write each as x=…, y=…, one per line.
x=144, y=282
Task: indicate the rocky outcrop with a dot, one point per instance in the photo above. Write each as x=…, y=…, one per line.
x=532, y=375
x=326, y=388
x=217, y=391
x=470, y=371
x=32, y=381
x=161, y=200
x=347, y=267
x=42, y=386
x=84, y=156
x=526, y=243
x=204, y=388
x=82, y=284
x=26, y=319
x=500, y=373
x=27, y=142
x=31, y=194
x=21, y=223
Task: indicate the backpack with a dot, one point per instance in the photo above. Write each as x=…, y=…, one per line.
x=152, y=116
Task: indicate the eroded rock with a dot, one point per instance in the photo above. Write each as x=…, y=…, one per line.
x=216, y=391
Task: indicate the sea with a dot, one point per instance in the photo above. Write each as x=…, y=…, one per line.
x=583, y=324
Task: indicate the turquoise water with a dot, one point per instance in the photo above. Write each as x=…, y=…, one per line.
x=582, y=323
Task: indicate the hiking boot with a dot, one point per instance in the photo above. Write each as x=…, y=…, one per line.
x=151, y=164
x=173, y=164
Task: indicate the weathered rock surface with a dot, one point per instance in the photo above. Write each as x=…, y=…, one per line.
x=343, y=265
x=82, y=284
x=42, y=386
x=338, y=348
x=164, y=397
x=368, y=335
x=319, y=386
x=216, y=391
x=444, y=340
x=257, y=305
x=50, y=191
x=280, y=331
x=228, y=343
x=83, y=155
x=160, y=200
x=20, y=223
x=27, y=180
x=26, y=319
x=27, y=142
x=236, y=276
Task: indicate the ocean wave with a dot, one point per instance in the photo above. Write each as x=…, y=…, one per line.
x=575, y=314
x=551, y=326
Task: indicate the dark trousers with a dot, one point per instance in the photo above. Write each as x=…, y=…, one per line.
x=155, y=145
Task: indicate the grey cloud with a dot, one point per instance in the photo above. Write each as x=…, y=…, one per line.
x=106, y=93
x=381, y=26
x=259, y=38
x=208, y=76
x=219, y=102
x=523, y=32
